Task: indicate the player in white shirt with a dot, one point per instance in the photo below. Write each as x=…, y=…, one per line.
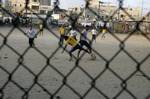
x=73, y=33
x=84, y=34
x=94, y=33
x=31, y=35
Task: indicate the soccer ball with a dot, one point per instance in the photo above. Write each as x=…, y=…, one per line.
x=93, y=57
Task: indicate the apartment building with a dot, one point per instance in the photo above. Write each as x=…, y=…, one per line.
x=19, y=5
x=121, y=14
x=94, y=3
x=37, y=6
x=107, y=9
x=45, y=6
x=45, y=2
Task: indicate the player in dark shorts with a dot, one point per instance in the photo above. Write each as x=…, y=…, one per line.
x=77, y=45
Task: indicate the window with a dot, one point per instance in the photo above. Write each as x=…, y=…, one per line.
x=42, y=12
x=35, y=7
x=34, y=0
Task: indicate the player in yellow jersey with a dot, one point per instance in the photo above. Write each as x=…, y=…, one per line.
x=104, y=31
x=76, y=45
x=62, y=32
x=41, y=29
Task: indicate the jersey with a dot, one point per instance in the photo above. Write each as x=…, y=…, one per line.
x=72, y=41
x=62, y=30
x=31, y=33
x=73, y=33
x=41, y=26
x=94, y=32
x=84, y=35
x=101, y=23
x=104, y=31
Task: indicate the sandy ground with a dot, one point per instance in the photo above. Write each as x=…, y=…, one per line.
x=52, y=75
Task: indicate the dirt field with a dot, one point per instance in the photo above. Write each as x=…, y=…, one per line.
x=50, y=77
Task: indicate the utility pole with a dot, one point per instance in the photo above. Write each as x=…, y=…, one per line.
x=0, y=3
x=100, y=2
x=142, y=2
x=99, y=7
x=120, y=7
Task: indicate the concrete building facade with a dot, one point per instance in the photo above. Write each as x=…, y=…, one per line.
x=45, y=6
x=120, y=14
x=94, y=3
x=45, y=2
x=1, y=2
x=19, y=5
x=107, y=9
x=36, y=6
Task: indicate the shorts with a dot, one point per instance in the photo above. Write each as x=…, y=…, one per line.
x=93, y=37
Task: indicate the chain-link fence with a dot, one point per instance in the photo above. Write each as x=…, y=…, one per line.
x=120, y=70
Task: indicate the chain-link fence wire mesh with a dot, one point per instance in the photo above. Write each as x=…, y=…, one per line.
x=36, y=74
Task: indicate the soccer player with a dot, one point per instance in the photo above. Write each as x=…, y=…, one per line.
x=76, y=45
x=62, y=32
x=41, y=29
x=31, y=35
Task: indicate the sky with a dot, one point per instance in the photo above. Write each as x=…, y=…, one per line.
x=127, y=3
x=65, y=4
